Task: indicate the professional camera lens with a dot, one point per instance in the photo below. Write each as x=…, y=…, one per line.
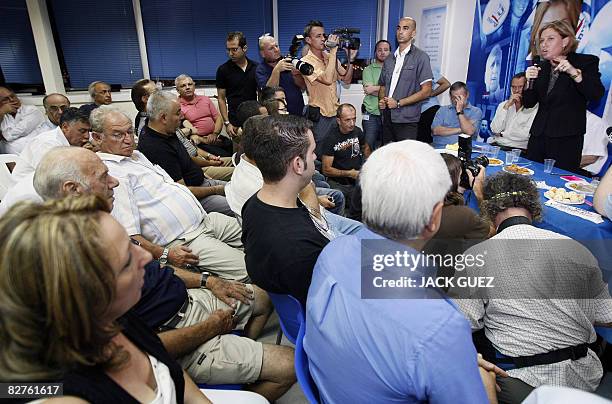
x=481, y=161
x=305, y=68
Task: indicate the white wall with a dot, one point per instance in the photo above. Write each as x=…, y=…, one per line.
x=457, y=35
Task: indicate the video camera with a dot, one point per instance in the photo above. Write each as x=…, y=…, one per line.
x=305, y=68
x=467, y=164
x=346, y=38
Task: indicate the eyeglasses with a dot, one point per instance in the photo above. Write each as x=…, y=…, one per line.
x=121, y=136
x=55, y=108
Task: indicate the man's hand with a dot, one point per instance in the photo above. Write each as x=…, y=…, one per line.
x=382, y=103
x=283, y=66
x=223, y=321
x=392, y=103
x=478, y=182
x=490, y=367
x=196, y=139
x=219, y=189
x=231, y=130
x=354, y=174
x=229, y=291
x=8, y=108
x=514, y=99
x=333, y=38
x=326, y=201
x=461, y=101
x=181, y=256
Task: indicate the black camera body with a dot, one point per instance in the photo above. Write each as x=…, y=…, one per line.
x=346, y=38
x=467, y=164
x=305, y=68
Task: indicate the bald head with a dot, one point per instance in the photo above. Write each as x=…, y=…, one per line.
x=66, y=171
x=409, y=20
x=55, y=104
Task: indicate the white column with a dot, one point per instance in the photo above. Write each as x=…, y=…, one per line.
x=142, y=45
x=382, y=18
x=275, y=19
x=45, y=47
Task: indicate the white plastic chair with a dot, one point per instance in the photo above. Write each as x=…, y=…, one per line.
x=6, y=179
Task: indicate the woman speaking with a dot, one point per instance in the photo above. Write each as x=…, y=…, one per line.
x=563, y=84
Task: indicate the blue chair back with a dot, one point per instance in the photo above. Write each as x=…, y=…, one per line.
x=301, y=367
x=608, y=162
x=289, y=312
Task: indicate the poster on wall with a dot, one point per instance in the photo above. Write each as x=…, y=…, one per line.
x=502, y=45
x=431, y=34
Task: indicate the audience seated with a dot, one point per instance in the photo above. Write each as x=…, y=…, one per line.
x=206, y=122
x=283, y=236
x=194, y=311
x=73, y=130
x=55, y=104
x=602, y=200
x=512, y=121
x=141, y=90
x=408, y=346
x=459, y=117
x=74, y=276
x=17, y=122
x=595, y=147
x=164, y=215
x=548, y=293
x=100, y=93
x=159, y=143
x=344, y=152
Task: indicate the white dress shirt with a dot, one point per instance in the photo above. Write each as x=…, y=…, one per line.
x=33, y=153
x=397, y=70
x=46, y=126
x=17, y=130
x=246, y=180
x=595, y=142
x=149, y=202
x=21, y=191
x=513, y=125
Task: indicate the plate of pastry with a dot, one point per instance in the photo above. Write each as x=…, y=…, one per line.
x=581, y=187
x=565, y=197
x=516, y=169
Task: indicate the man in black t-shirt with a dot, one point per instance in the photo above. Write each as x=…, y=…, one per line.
x=344, y=152
x=158, y=142
x=282, y=237
x=235, y=80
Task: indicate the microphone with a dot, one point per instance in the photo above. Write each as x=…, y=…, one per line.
x=534, y=62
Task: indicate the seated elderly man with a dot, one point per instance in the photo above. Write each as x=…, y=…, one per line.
x=206, y=121
x=159, y=143
x=100, y=93
x=595, y=146
x=55, y=104
x=547, y=294
x=162, y=214
x=192, y=311
x=459, y=117
x=390, y=344
x=73, y=130
x=17, y=122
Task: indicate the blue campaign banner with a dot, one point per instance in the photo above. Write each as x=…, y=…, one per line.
x=501, y=45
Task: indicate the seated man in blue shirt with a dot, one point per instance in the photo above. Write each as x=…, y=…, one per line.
x=459, y=117
x=390, y=344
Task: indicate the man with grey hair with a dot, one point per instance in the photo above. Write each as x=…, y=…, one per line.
x=405, y=81
x=100, y=93
x=162, y=214
x=55, y=104
x=427, y=354
x=159, y=143
x=275, y=71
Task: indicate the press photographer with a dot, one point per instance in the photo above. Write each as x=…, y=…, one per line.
x=278, y=71
x=321, y=85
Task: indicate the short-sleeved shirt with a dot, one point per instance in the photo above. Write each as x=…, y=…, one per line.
x=201, y=112
x=169, y=153
x=163, y=294
x=321, y=95
x=447, y=117
x=293, y=94
x=281, y=247
x=432, y=101
x=346, y=150
x=240, y=85
x=371, y=75
x=415, y=71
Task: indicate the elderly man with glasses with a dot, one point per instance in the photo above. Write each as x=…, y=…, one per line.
x=17, y=122
x=55, y=104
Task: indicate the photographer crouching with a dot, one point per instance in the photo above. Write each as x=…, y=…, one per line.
x=322, y=96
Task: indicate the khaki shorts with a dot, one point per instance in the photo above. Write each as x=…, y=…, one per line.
x=224, y=359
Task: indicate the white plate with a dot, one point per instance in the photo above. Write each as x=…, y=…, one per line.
x=448, y=151
x=528, y=174
x=589, y=192
x=495, y=164
x=564, y=203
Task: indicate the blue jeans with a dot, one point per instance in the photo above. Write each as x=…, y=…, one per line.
x=342, y=226
x=372, y=128
x=337, y=196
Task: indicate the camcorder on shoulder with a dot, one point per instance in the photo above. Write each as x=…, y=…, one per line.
x=467, y=164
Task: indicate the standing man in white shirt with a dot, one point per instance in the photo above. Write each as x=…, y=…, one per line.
x=17, y=122
x=405, y=81
x=512, y=121
x=55, y=104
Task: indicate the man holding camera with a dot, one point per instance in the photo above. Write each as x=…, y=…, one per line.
x=405, y=81
x=322, y=97
x=276, y=71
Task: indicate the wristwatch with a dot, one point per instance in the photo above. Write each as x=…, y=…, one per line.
x=398, y=105
x=163, y=259
x=460, y=113
x=226, y=123
x=204, y=278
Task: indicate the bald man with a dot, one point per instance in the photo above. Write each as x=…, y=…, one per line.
x=55, y=104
